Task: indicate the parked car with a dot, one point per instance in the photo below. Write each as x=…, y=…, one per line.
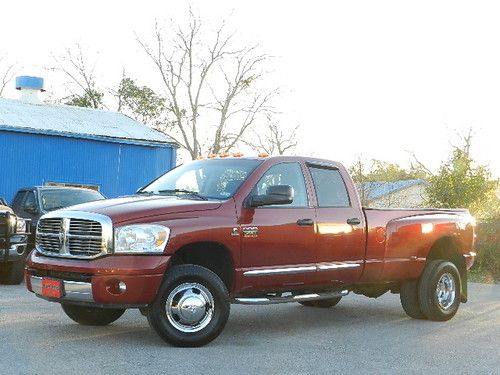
x=33, y=202
x=13, y=242
x=249, y=231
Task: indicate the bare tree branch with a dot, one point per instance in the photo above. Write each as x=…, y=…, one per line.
x=274, y=139
x=76, y=68
x=6, y=76
x=204, y=77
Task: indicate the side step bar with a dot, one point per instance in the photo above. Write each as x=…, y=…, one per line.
x=288, y=297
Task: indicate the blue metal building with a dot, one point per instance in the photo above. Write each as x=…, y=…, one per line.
x=42, y=144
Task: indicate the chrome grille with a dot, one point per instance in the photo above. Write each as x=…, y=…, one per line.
x=74, y=235
x=50, y=225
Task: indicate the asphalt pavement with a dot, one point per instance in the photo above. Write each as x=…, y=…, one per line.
x=358, y=336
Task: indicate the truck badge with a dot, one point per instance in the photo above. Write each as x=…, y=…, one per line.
x=250, y=231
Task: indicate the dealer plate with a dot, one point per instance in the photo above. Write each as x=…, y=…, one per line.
x=52, y=288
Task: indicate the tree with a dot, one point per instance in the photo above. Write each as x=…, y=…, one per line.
x=140, y=102
x=461, y=183
x=274, y=139
x=82, y=83
x=7, y=72
x=211, y=85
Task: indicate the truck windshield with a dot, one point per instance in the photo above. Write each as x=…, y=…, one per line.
x=204, y=179
x=53, y=199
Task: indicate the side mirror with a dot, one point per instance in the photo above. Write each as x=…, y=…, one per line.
x=32, y=209
x=278, y=194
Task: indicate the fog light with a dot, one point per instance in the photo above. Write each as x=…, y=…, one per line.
x=122, y=287
x=116, y=287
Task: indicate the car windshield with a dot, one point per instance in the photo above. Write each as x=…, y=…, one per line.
x=204, y=179
x=53, y=199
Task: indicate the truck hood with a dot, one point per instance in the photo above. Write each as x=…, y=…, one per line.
x=135, y=207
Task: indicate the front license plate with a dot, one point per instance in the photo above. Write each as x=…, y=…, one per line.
x=52, y=288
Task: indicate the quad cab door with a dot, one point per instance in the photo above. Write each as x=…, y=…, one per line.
x=278, y=240
x=340, y=223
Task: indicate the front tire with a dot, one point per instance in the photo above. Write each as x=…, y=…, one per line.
x=191, y=308
x=322, y=303
x=12, y=273
x=92, y=316
x=439, y=290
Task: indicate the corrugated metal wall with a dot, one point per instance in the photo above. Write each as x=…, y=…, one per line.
x=119, y=169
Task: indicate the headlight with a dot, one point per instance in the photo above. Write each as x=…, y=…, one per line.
x=21, y=225
x=141, y=239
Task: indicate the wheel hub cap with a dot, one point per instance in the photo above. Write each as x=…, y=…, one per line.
x=445, y=291
x=190, y=307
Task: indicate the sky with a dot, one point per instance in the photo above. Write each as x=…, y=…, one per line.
x=380, y=79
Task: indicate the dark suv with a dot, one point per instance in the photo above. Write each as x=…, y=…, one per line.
x=33, y=202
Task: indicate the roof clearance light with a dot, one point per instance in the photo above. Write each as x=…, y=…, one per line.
x=427, y=227
x=200, y=158
x=211, y=156
x=237, y=154
x=263, y=155
x=224, y=155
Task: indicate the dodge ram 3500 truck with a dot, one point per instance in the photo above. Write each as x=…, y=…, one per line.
x=247, y=230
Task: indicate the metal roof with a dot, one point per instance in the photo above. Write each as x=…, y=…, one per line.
x=375, y=189
x=76, y=122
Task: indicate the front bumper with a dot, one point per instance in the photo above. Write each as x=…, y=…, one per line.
x=94, y=281
x=13, y=251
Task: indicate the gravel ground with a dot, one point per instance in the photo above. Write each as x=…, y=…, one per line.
x=358, y=336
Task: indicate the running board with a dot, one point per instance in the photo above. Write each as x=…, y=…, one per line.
x=288, y=297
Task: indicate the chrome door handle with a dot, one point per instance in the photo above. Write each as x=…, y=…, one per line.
x=353, y=221
x=304, y=222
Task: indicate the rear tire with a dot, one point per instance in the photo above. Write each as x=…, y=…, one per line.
x=92, y=316
x=322, y=303
x=12, y=273
x=439, y=290
x=191, y=308
x=409, y=299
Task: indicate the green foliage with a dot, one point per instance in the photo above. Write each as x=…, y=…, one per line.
x=90, y=99
x=140, y=101
x=382, y=171
x=461, y=184
x=487, y=264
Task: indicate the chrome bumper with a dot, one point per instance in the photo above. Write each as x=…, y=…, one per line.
x=15, y=252
x=75, y=291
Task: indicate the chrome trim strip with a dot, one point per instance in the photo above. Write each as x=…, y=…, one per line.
x=280, y=271
x=300, y=269
x=73, y=290
x=337, y=265
x=66, y=215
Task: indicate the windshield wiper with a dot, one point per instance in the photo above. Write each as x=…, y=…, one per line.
x=183, y=191
x=144, y=192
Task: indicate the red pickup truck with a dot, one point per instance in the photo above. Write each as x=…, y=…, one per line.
x=247, y=230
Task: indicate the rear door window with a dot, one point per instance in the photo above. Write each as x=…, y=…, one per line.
x=330, y=187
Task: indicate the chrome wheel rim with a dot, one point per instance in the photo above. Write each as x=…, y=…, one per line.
x=190, y=307
x=445, y=291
